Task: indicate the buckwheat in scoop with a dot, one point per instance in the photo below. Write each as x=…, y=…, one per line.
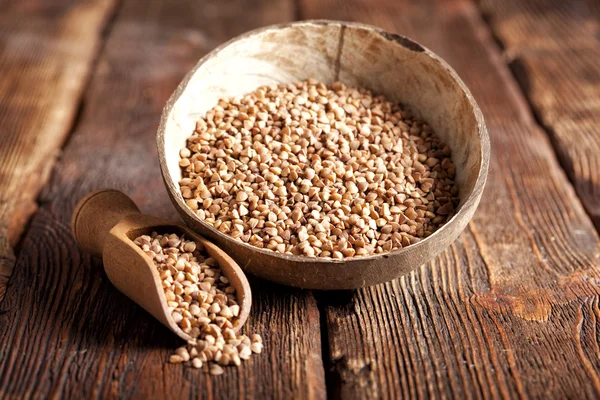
x=316, y=170
x=201, y=301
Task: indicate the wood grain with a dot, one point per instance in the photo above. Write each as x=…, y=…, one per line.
x=46, y=53
x=66, y=332
x=510, y=309
x=554, y=47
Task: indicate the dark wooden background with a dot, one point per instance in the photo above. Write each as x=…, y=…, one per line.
x=510, y=310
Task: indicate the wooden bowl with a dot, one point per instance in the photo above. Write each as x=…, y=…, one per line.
x=106, y=222
x=360, y=56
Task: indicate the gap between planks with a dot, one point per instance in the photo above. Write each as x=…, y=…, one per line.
x=571, y=128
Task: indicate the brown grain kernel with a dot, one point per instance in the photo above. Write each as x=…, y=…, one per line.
x=245, y=353
x=255, y=338
x=216, y=369
x=175, y=359
x=256, y=347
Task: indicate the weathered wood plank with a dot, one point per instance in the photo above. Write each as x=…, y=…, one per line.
x=510, y=309
x=46, y=53
x=66, y=332
x=555, y=50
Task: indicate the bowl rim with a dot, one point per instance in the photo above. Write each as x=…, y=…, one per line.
x=470, y=202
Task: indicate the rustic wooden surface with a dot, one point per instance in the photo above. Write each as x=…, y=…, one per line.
x=554, y=50
x=513, y=301
x=45, y=64
x=65, y=330
x=510, y=310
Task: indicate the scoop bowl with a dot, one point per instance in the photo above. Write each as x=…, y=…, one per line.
x=360, y=56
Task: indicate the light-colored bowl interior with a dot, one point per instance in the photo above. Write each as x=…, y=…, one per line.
x=359, y=56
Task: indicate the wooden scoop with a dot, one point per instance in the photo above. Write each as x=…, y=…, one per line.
x=106, y=222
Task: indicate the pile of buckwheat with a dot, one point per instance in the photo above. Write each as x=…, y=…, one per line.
x=201, y=301
x=315, y=170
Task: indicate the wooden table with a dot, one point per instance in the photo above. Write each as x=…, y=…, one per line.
x=510, y=310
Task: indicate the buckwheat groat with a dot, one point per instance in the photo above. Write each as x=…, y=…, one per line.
x=201, y=301
x=315, y=170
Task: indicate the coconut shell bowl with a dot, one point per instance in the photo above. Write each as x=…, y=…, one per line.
x=359, y=56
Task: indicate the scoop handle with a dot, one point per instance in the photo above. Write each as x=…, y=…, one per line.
x=96, y=214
